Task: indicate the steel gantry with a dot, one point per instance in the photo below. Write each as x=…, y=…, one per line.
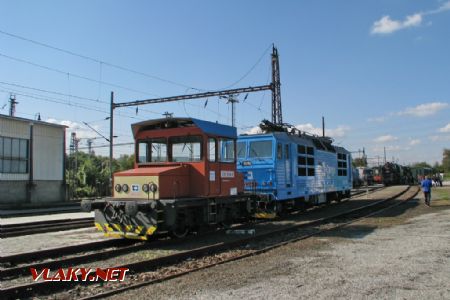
x=274, y=86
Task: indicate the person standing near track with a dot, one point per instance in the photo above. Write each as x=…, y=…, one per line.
x=426, y=188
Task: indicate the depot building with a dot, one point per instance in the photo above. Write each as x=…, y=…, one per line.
x=31, y=161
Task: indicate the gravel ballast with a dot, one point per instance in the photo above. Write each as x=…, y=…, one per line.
x=403, y=254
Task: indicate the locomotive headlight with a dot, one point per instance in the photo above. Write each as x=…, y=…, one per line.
x=153, y=187
x=145, y=188
x=118, y=188
x=125, y=188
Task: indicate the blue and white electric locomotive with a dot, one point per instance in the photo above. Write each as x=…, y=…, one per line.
x=290, y=168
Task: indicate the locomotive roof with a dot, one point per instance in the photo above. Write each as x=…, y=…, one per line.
x=206, y=126
x=318, y=142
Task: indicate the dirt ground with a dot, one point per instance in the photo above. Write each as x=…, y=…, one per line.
x=402, y=253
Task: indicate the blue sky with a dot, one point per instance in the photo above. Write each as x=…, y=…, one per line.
x=377, y=70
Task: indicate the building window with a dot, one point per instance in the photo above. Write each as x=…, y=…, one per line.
x=14, y=155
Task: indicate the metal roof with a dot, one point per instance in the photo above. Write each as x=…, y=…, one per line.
x=31, y=121
x=207, y=127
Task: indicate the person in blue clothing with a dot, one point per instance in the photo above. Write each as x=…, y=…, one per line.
x=426, y=185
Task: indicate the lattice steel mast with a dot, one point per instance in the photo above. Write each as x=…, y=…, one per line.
x=277, y=117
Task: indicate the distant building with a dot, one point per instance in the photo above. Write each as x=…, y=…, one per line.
x=31, y=161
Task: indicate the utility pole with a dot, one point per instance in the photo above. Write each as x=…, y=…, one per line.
x=89, y=144
x=12, y=105
x=74, y=165
x=323, y=126
x=233, y=101
x=111, y=137
x=384, y=148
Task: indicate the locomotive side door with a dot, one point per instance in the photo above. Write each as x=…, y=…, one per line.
x=287, y=157
x=214, y=167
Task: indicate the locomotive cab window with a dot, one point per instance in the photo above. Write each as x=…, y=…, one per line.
x=260, y=149
x=153, y=150
x=212, y=150
x=186, y=148
x=241, y=150
x=226, y=147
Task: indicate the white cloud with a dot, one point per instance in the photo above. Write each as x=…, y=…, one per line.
x=414, y=142
x=254, y=130
x=423, y=110
x=442, y=8
x=439, y=138
x=81, y=130
x=308, y=127
x=390, y=148
x=385, y=25
x=445, y=128
x=385, y=138
x=338, y=132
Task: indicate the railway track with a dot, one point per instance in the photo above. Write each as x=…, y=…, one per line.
x=27, y=290
x=12, y=230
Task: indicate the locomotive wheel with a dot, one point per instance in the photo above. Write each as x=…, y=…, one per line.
x=280, y=209
x=180, y=232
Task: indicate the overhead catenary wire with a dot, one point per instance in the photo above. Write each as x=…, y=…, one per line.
x=127, y=69
x=95, y=60
x=102, y=63
x=65, y=94
x=75, y=75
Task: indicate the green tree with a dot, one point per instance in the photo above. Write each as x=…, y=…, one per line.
x=125, y=162
x=421, y=165
x=360, y=162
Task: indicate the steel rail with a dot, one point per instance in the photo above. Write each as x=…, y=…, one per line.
x=263, y=250
x=45, y=286
x=12, y=230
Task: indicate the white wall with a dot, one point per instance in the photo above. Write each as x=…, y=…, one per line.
x=15, y=129
x=48, y=148
x=48, y=152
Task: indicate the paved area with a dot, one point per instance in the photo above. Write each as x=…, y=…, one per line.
x=34, y=242
x=400, y=254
